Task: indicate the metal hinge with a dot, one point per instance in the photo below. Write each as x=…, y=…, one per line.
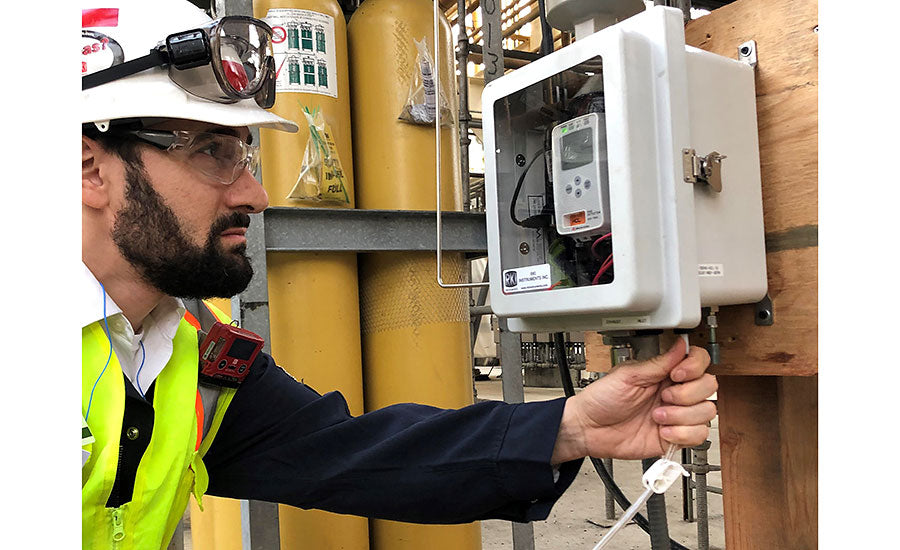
x=706, y=169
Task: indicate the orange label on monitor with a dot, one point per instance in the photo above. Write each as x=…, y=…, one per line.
x=578, y=218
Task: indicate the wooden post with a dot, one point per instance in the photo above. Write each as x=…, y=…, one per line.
x=768, y=388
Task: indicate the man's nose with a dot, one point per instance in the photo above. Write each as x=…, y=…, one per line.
x=247, y=194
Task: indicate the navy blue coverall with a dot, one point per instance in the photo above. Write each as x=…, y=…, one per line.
x=280, y=441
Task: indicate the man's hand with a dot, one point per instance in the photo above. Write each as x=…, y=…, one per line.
x=638, y=409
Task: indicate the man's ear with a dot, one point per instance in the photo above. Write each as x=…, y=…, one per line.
x=94, y=190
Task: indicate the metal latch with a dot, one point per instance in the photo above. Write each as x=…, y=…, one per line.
x=706, y=169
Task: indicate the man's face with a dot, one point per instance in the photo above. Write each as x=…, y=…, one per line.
x=183, y=231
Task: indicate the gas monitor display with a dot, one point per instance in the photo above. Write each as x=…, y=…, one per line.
x=580, y=189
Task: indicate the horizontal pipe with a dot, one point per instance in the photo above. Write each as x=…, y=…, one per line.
x=507, y=54
x=709, y=488
x=358, y=230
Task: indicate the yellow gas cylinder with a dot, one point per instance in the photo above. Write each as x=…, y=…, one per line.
x=415, y=334
x=218, y=526
x=313, y=297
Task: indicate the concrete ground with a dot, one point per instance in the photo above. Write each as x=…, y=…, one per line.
x=578, y=520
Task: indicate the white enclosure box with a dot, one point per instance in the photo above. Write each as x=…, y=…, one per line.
x=671, y=246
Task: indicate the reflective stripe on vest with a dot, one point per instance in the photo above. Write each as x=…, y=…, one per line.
x=207, y=396
x=171, y=468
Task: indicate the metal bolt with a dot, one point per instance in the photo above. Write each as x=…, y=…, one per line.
x=524, y=248
x=520, y=159
x=745, y=50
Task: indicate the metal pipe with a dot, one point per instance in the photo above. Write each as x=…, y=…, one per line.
x=462, y=56
x=437, y=156
x=701, y=461
x=511, y=54
x=687, y=489
x=712, y=346
x=512, y=384
x=610, y=500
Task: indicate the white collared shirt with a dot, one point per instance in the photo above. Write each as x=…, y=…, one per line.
x=141, y=365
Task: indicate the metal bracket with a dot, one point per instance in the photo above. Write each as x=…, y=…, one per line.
x=706, y=169
x=763, y=313
x=747, y=53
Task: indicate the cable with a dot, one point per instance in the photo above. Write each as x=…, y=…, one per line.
x=559, y=344
x=607, y=263
x=137, y=377
x=105, y=321
x=595, y=243
x=611, y=486
x=604, y=267
x=532, y=222
x=546, y=31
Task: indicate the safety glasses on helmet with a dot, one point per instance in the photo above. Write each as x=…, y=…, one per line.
x=226, y=60
x=220, y=156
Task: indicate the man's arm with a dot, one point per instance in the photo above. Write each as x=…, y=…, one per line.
x=281, y=441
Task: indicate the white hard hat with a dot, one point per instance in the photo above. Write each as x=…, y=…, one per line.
x=131, y=29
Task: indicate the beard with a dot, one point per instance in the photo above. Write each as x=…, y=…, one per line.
x=149, y=235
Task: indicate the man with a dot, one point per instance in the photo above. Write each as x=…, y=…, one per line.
x=166, y=193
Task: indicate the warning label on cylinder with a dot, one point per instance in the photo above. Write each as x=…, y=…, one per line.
x=303, y=46
x=520, y=279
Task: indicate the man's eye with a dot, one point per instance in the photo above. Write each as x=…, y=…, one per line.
x=211, y=148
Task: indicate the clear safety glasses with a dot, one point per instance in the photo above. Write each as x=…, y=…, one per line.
x=226, y=60
x=219, y=156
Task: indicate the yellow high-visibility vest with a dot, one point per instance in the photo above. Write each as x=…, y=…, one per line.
x=172, y=466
